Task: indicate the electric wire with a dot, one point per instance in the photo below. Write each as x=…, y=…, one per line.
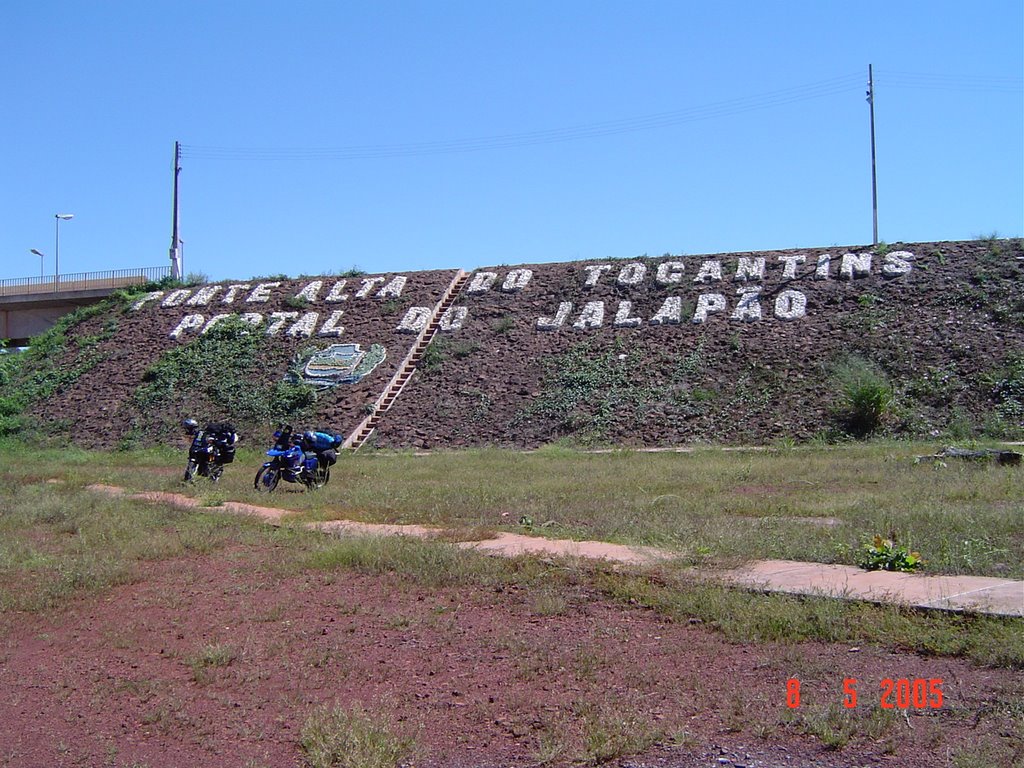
x=821, y=89
x=926, y=81
x=727, y=108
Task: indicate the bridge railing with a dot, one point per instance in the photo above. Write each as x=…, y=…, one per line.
x=82, y=281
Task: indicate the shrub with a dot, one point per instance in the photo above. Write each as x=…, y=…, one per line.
x=864, y=394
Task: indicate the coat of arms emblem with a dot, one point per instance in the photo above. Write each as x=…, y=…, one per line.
x=340, y=364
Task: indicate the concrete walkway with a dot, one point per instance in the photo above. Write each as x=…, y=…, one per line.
x=980, y=594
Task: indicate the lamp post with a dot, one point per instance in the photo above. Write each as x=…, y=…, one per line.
x=58, y=217
x=40, y=255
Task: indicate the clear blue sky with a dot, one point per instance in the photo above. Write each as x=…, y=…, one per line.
x=397, y=135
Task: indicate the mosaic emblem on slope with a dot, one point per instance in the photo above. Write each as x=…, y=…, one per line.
x=338, y=364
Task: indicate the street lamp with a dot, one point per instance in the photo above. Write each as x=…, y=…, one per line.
x=40, y=255
x=59, y=217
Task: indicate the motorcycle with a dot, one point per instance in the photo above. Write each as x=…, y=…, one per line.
x=289, y=462
x=212, y=447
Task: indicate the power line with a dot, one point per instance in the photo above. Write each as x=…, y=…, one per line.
x=817, y=90
x=821, y=89
x=926, y=81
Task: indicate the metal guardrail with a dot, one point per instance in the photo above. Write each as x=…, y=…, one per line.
x=82, y=281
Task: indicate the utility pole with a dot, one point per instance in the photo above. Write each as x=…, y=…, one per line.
x=175, y=240
x=874, y=183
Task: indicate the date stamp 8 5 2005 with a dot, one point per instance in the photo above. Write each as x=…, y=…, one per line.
x=902, y=693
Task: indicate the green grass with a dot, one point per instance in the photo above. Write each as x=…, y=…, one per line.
x=710, y=506
x=745, y=617
x=59, y=540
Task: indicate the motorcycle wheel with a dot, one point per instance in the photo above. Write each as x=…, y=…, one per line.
x=318, y=477
x=216, y=470
x=267, y=479
x=190, y=471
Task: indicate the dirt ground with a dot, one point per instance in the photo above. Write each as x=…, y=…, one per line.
x=219, y=659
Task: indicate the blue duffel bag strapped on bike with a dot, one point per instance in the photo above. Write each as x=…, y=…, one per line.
x=320, y=441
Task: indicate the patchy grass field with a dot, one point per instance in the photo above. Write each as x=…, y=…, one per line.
x=130, y=631
x=812, y=504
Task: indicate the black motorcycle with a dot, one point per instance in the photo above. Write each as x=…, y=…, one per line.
x=212, y=447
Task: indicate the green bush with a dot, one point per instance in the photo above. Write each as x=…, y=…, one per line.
x=222, y=366
x=864, y=395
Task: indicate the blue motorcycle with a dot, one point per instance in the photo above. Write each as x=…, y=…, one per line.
x=289, y=462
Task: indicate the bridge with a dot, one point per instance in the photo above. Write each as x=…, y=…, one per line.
x=31, y=305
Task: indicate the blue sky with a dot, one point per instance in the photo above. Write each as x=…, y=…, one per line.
x=410, y=134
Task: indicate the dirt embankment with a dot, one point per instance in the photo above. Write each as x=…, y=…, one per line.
x=650, y=351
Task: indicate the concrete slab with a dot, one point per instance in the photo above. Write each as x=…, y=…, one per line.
x=513, y=544
x=1002, y=597
x=964, y=593
x=1005, y=599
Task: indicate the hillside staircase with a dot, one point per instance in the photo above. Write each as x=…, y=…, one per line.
x=408, y=366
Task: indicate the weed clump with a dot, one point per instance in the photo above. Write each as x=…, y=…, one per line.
x=885, y=555
x=335, y=737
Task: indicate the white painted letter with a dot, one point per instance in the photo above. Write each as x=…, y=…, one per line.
x=311, y=291
x=671, y=312
x=790, y=305
x=670, y=272
x=232, y=291
x=333, y=326
x=393, y=289
x=592, y=316
x=415, y=320
x=789, y=271
x=213, y=321
x=632, y=274
x=148, y=297
x=706, y=304
x=622, y=318
x=453, y=318
x=750, y=268
x=204, y=295
x=749, y=306
x=277, y=321
x=824, y=264
x=176, y=298
x=481, y=282
x=188, y=322
x=368, y=285
x=261, y=293
x=594, y=273
x=305, y=325
x=855, y=265
x=709, y=270
x=336, y=294
x=556, y=322
x=516, y=280
x=897, y=263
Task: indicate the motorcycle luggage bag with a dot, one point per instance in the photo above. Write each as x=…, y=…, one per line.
x=224, y=435
x=330, y=457
x=322, y=441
